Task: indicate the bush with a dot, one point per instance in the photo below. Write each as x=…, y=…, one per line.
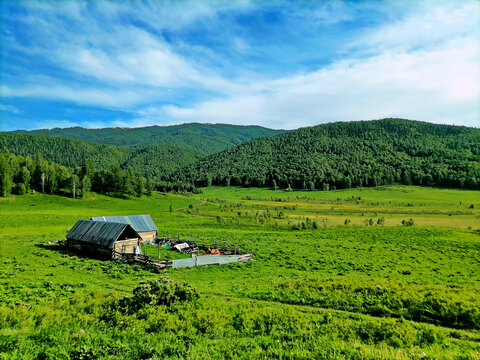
x=20, y=189
x=162, y=291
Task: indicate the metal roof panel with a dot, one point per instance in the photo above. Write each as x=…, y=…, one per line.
x=138, y=222
x=98, y=232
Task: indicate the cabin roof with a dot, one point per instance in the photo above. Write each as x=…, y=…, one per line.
x=140, y=223
x=101, y=232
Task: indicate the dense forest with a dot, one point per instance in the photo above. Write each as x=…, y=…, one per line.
x=329, y=156
x=22, y=174
x=348, y=154
x=205, y=138
x=157, y=160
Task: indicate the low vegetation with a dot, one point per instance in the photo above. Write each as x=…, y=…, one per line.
x=338, y=291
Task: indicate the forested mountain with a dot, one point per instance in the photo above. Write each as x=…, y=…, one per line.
x=205, y=138
x=22, y=174
x=63, y=151
x=349, y=154
x=157, y=161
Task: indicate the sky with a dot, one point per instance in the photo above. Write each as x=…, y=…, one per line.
x=278, y=64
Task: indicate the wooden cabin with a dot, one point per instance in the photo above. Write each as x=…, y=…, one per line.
x=143, y=224
x=103, y=239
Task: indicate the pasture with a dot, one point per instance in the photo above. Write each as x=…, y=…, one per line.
x=321, y=287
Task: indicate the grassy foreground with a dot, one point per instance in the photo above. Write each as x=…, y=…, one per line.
x=336, y=276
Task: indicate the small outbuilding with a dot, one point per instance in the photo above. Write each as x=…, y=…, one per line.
x=103, y=239
x=143, y=224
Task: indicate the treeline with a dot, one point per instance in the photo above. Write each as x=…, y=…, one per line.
x=348, y=154
x=22, y=174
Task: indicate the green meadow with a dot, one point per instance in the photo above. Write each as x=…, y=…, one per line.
x=371, y=273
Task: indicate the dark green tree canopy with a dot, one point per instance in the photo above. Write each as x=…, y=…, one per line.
x=349, y=154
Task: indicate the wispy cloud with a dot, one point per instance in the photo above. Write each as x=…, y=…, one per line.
x=10, y=109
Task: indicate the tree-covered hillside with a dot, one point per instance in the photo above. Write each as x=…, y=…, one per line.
x=205, y=138
x=157, y=161
x=22, y=174
x=349, y=154
x=63, y=151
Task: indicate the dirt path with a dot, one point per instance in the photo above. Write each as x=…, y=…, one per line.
x=194, y=205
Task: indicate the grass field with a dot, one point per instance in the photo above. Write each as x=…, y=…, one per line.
x=320, y=287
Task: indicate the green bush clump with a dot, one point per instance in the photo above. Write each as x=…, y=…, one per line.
x=156, y=292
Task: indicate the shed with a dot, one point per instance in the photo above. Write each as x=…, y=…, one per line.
x=103, y=239
x=143, y=224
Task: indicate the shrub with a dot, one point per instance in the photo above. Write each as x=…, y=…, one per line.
x=162, y=291
x=20, y=189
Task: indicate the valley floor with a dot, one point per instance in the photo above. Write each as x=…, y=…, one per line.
x=336, y=276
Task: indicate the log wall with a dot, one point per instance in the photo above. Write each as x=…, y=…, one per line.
x=148, y=235
x=99, y=251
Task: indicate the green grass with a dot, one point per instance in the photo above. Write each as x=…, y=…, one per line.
x=335, y=292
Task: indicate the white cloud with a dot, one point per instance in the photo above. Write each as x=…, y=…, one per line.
x=103, y=53
x=10, y=109
x=428, y=24
x=440, y=85
x=81, y=95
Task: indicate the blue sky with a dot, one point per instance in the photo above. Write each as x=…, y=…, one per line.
x=272, y=63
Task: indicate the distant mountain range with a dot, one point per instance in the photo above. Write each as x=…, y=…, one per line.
x=154, y=151
x=335, y=155
x=204, y=138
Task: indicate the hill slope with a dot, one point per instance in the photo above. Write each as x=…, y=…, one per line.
x=349, y=154
x=63, y=151
x=157, y=160
x=206, y=138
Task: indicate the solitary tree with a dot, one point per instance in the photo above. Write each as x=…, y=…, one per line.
x=86, y=185
x=149, y=185
x=75, y=182
x=274, y=184
x=42, y=177
x=5, y=177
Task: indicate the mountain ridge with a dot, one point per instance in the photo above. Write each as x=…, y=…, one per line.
x=206, y=138
x=348, y=154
